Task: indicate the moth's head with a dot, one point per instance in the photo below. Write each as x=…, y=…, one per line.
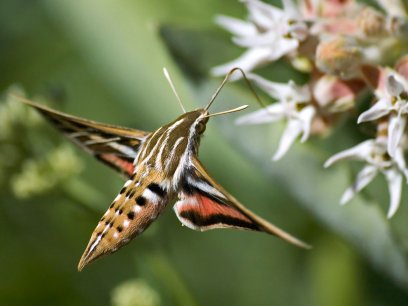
x=201, y=121
x=198, y=118
x=195, y=120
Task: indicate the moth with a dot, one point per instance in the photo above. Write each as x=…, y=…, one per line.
x=159, y=166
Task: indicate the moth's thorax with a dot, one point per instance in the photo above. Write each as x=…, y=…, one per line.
x=170, y=145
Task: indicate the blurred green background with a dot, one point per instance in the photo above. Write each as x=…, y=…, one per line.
x=102, y=60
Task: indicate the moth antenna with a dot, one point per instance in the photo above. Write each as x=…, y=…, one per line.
x=228, y=111
x=227, y=77
x=167, y=75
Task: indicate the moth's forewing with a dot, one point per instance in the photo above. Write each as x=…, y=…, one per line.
x=115, y=146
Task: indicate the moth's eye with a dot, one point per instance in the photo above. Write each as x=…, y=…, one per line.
x=200, y=128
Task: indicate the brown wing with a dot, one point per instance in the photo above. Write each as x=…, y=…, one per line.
x=113, y=145
x=205, y=205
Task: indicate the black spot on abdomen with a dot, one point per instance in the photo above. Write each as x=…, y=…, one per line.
x=141, y=201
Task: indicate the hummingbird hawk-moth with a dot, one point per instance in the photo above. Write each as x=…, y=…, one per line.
x=159, y=166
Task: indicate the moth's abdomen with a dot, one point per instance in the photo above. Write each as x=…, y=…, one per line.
x=137, y=205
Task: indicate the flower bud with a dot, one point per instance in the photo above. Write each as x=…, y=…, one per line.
x=339, y=56
x=371, y=23
x=335, y=95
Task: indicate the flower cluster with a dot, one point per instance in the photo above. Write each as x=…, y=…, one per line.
x=343, y=46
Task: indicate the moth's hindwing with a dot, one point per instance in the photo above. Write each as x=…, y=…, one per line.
x=205, y=205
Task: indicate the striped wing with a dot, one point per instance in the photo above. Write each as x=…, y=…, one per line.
x=113, y=145
x=137, y=205
x=205, y=205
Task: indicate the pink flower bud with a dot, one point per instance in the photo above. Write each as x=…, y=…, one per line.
x=402, y=66
x=326, y=8
x=336, y=95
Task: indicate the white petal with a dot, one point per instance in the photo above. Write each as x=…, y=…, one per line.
x=393, y=7
x=307, y=114
x=278, y=45
x=358, y=152
x=364, y=177
x=263, y=14
x=394, y=87
x=292, y=131
x=251, y=59
x=396, y=129
x=274, y=89
x=402, y=80
x=282, y=91
x=380, y=108
x=400, y=161
x=394, y=179
x=283, y=46
x=272, y=113
x=267, y=39
x=236, y=26
x=291, y=9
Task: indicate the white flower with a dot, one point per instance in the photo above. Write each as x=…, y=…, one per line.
x=392, y=101
x=293, y=105
x=393, y=7
x=374, y=153
x=269, y=34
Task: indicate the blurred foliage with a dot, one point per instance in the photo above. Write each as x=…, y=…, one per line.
x=21, y=140
x=103, y=60
x=134, y=293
